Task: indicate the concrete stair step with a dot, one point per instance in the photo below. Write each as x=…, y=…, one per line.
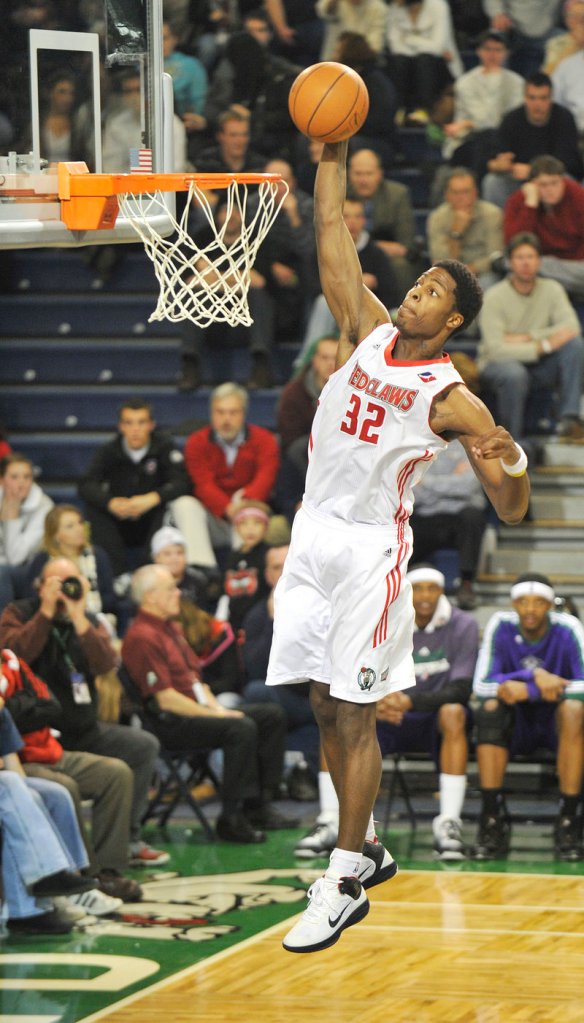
x=546, y=532
x=560, y=479
x=514, y=561
x=557, y=507
x=559, y=453
x=95, y=407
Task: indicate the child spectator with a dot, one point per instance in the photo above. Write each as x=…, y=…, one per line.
x=244, y=581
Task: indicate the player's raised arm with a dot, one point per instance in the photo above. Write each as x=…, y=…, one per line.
x=356, y=310
x=498, y=461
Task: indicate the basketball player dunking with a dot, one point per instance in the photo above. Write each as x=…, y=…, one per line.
x=343, y=607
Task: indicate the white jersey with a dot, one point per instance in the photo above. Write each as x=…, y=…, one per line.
x=371, y=440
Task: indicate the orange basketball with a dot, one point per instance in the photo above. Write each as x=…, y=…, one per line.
x=328, y=101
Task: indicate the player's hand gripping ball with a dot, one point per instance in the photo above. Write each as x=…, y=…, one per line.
x=328, y=101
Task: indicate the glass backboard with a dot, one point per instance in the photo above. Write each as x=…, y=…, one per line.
x=90, y=87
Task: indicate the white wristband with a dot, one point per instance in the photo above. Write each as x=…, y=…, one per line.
x=519, y=467
x=546, y=346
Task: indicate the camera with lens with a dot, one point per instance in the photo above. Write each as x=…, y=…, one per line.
x=72, y=588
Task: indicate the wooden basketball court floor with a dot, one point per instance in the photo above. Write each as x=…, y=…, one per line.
x=436, y=947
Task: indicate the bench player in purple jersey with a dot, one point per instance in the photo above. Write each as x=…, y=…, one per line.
x=343, y=607
x=530, y=682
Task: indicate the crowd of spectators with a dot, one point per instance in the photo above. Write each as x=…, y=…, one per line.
x=168, y=563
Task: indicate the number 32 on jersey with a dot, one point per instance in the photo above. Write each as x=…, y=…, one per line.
x=365, y=423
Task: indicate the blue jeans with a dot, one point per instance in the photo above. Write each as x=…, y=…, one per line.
x=31, y=847
x=511, y=383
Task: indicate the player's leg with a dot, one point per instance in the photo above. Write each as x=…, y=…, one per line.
x=447, y=826
x=494, y=721
x=570, y=765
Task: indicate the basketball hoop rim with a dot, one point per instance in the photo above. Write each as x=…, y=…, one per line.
x=75, y=181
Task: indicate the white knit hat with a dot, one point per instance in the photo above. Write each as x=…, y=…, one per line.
x=164, y=538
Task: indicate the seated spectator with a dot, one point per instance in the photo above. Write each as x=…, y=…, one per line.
x=424, y=59
x=258, y=628
x=449, y=511
x=67, y=647
x=254, y=80
x=130, y=486
x=528, y=27
x=67, y=535
x=38, y=814
x=389, y=215
x=189, y=85
x=227, y=461
x=23, y=507
x=378, y=132
x=537, y=127
x=466, y=227
x=295, y=412
x=185, y=714
x=244, y=583
x=231, y=151
x=123, y=128
x=306, y=158
x=565, y=44
x=482, y=97
x=568, y=79
x=366, y=17
x=530, y=340
x=104, y=780
x=35, y=863
x=551, y=206
x=298, y=30
x=378, y=276
x=200, y=586
x=60, y=136
x=285, y=275
x=433, y=717
x=5, y=448
x=208, y=27
x=529, y=681
x=195, y=339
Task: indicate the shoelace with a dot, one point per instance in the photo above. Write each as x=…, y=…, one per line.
x=317, y=898
x=452, y=830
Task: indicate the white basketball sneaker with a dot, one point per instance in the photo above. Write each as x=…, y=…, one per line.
x=448, y=843
x=332, y=907
x=377, y=865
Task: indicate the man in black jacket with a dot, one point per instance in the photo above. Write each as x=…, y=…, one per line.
x=128, y=487
x=539, y=127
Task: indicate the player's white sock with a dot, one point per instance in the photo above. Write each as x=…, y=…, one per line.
x=343, y=863
x=370, y=836
x=452, y=790
x=329, y=803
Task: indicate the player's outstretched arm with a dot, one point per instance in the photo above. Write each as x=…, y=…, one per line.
x=356, y=310
x=489, y=448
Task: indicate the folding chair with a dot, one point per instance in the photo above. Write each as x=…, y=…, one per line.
x=183, y=769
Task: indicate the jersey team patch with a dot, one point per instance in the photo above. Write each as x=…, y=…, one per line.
x=366, y=679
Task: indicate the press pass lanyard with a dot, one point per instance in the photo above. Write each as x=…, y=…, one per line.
x=79, y=687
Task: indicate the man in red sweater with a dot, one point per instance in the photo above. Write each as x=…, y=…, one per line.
x=551, y=206
x=227, y=461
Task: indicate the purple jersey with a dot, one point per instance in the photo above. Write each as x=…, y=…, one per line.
x=505, y=654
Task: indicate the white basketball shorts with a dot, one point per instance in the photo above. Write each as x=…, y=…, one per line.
x=343, y=611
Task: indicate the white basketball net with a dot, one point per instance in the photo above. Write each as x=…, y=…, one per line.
x=210, y=284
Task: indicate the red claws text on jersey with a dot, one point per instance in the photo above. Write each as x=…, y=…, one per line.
x=401, y=398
